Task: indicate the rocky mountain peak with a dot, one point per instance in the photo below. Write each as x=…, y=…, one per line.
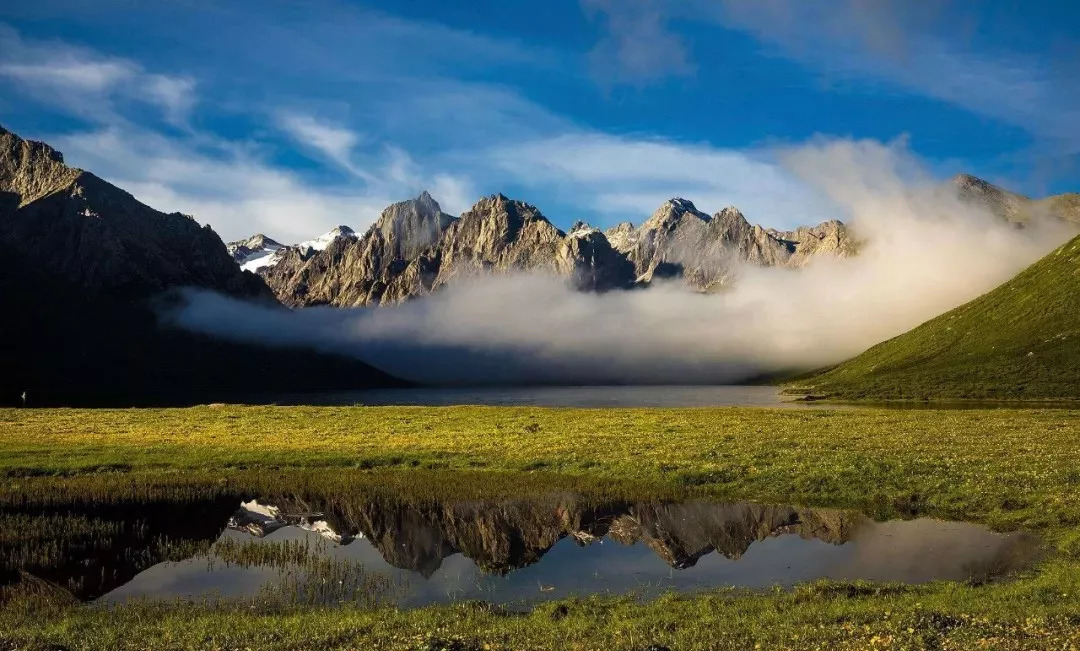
x=964, y=181
x=673, y=211
x=1006, y=205
x=731, y=217
x=31, y=170
x=415, y=249
x=409, y=227
x=255, y=252
x=581, y=229
x=323, y=241
x=255, y=242
x=681, y=205
x=35, y=148
x=622, y=236
x=342, y=231
x=1012, y=207
x=500, y=209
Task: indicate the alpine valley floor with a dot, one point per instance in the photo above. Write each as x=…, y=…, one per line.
x=1009, y=469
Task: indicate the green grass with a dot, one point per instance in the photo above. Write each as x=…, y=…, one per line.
x=1020, y=341
x=1007, y=468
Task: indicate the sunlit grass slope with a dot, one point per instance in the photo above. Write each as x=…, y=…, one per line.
x=1020, y=341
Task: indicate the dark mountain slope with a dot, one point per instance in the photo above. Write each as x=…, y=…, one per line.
x=1019, y=341
x=83, y=261
x=92, y=233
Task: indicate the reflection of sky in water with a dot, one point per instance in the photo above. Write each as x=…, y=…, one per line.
x=911, y=551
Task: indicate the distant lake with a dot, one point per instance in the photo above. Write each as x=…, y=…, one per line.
x=613, y=396
x=552, y=396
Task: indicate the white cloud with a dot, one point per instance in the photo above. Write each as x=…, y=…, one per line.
x=87, y=83
x=462, y=136
x=235, y=191
x=628, y=178
x=64, y=72
x=175, y=95
x=332, y=141
x=231, y=184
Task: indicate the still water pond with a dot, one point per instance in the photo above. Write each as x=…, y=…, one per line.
x=508, y=552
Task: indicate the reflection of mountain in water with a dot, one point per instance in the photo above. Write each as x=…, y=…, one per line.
x=89, y=550
x=503, y=536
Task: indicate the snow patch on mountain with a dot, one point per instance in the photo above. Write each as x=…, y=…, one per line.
x=259, y=252
x=323, y=241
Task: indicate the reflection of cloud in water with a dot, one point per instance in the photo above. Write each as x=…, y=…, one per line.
x=923, y=550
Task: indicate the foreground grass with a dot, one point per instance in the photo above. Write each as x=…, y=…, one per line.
x=1005, y=468
x=1027, y=614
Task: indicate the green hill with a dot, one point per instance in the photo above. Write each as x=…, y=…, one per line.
x=1019, y=341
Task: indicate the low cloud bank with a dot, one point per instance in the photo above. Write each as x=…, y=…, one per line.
x=923, y=252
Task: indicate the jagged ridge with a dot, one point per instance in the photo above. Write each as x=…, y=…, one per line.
x=414, y=248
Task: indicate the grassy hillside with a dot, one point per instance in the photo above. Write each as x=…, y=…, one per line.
x=1020, y=341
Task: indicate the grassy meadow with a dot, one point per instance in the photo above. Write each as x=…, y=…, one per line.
x=1007, y=468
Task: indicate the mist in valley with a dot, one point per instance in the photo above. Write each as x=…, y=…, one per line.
x=922, y=251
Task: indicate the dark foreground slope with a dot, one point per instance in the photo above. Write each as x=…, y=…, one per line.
x=81, y=264
x=64, y=347
x=1020, y=341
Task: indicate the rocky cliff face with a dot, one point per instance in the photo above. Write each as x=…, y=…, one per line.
x=680, y=241
x=99, y=237
x=415, y=248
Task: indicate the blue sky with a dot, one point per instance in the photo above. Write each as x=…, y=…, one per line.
x=289, y=118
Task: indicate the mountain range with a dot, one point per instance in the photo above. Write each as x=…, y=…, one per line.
x=415, y=248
